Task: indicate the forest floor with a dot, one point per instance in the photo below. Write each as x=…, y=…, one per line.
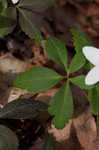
x=18, y=54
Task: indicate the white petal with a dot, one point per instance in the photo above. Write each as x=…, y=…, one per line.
x=14, y=1
x=92, y=54
x=92, y=76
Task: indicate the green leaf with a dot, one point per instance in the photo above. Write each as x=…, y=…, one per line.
x=80, y=40
x=38, y=79
x=56, y=49
x=3, y=6
x=26, y=20
x=47, y=145
x=77, y=62
x=61, y=106
x=8, y=140
x=88, y=65
x=37, y=6
x=80, y=82
x=31, y=17
x=93, y=96
x=22, y=109
x=5, y=21
x=11, y=13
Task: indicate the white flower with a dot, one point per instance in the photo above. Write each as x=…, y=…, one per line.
x=15, y=1
x=92, y=54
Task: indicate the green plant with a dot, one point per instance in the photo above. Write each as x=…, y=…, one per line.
x=39, y=79
x=18, y=109
x=28, y=14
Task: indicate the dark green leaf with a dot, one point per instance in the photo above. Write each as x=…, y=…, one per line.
x=37, y=6
x=47, y=145
x=28, y=22
x=94, y=99
x=5, y=21
x=22, y=109
x=8, y=140
x=56, y=49
x=80, y=40
x=61, y=106
x=77, y=62
x=11, y=13
x=38, y=79
x=80, y=82
x=31, y=16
